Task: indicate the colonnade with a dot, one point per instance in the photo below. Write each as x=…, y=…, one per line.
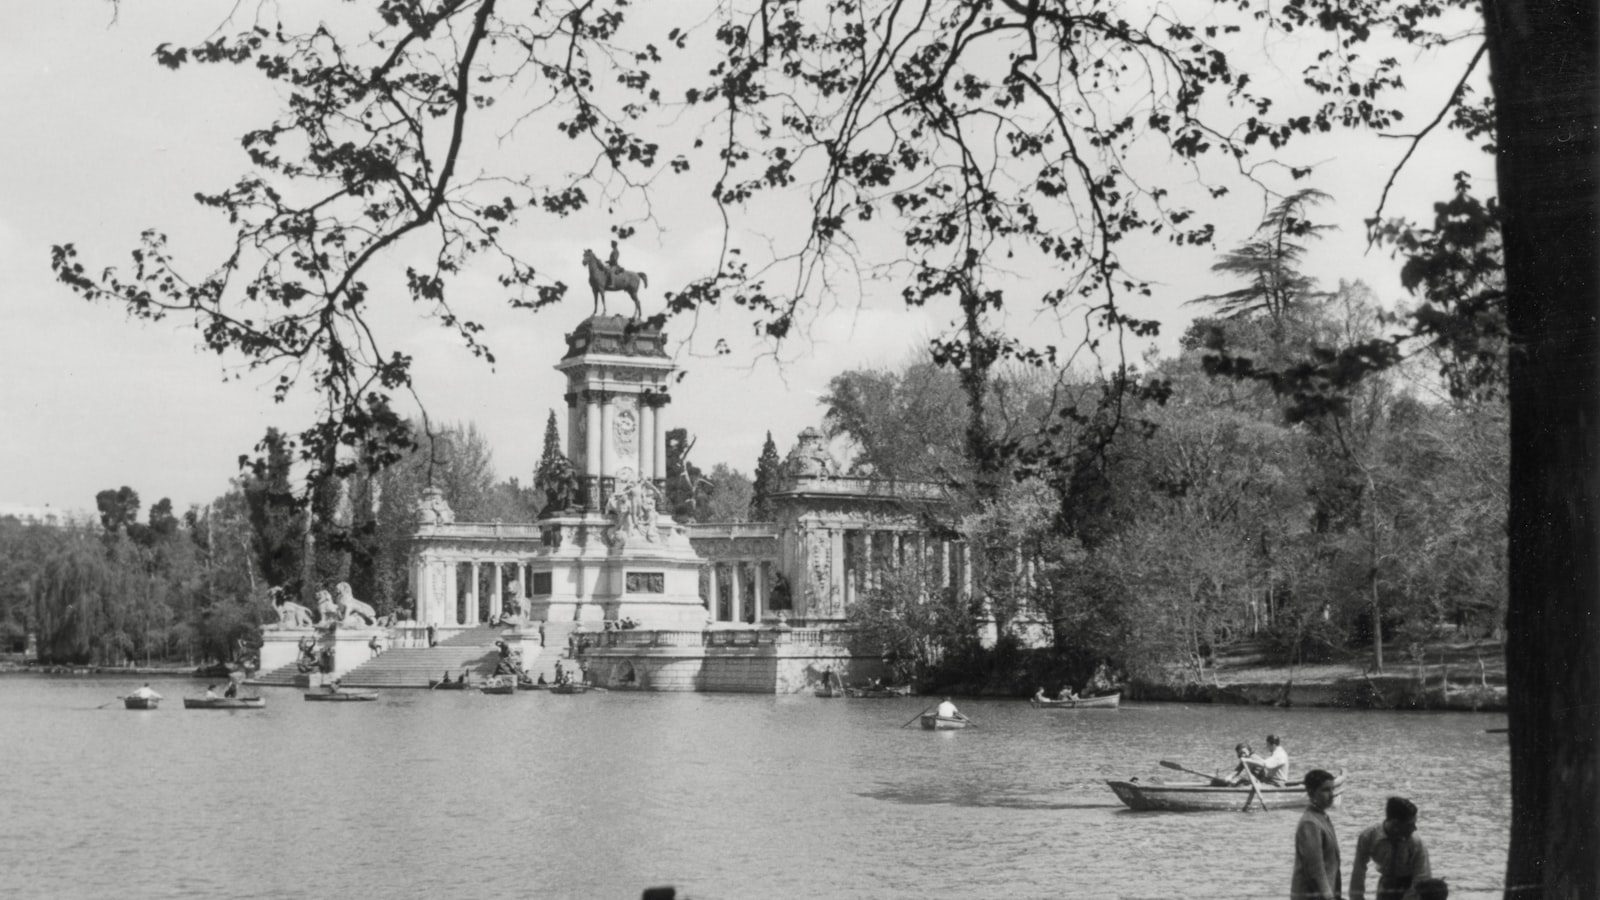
x=745, y=585
x=867, y=553
x=448, y=602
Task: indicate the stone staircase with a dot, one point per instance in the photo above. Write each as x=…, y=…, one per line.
x=471, y=650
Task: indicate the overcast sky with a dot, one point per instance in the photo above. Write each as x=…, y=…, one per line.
x=99, y=143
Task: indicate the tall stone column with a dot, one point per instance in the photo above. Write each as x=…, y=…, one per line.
x=713, y=600
x=608, y=440
x=497, y=591
x=591, y=449
x=869, y=571
x=736, y=604
x=761, y=588
x=658, y=456
x=471, y=617
x=646, y=438
x=836, y=568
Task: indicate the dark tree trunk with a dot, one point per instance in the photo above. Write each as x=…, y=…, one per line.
x=1543, y=61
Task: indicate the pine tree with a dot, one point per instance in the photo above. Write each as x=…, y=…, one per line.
x=769, y=468
x=553, y=477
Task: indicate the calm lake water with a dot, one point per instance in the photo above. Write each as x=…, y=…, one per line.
x=445, y=795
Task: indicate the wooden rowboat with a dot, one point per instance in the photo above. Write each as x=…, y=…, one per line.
x=140, y=702
x=884, y=693
x=343, y=695
x=435, y=684
x=501, y=687
x=936, y=722
x=1195, y=796
x=827, y=692
x=571, y=687
x=1104, y=701
x=224, y=702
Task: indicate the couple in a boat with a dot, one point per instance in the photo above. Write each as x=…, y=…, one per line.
x=1271, y=769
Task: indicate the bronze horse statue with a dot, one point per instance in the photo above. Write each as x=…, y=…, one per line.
x=602, y=279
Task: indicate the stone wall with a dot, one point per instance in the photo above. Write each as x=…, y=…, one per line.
x=742, y=661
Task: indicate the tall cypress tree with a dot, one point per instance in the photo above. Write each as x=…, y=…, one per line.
x=769, y=468
x=553, y=477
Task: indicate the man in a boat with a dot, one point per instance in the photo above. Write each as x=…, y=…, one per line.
x=947, y=710
x=211, y=692
x=1067, y=693
x=1394, y=848
x=1039, y=694
x=1274, y=767
x=332, y=687
x=1244, y=752
x=146, y=693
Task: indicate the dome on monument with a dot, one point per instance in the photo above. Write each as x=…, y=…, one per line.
x=810, y=457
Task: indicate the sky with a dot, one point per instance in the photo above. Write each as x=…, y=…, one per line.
x=99, y=143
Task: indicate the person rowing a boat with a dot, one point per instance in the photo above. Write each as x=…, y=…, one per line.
x=232, y=690
x=1067, y=693
x=211, y=692
x=1243, y=752
x=1272, y=769
x=947, y=710
x=146, y=693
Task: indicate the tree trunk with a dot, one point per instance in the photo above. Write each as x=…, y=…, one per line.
x=1543, y=69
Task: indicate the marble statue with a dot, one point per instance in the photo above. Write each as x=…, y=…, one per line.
x=328, y=614
x=293, y=615
x=352, y=611
x=634, y=511
x=434, y=509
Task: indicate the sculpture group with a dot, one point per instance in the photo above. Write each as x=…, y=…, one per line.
x=346, y=610
x=633, y=510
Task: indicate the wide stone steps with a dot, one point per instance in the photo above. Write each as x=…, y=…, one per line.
x=471, y=650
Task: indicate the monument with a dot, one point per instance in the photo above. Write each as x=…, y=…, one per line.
x=612, y=553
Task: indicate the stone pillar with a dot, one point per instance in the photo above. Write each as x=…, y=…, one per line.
x=591, y=448
x=446, y=609
x=646, y=439
x=869, y=572
x=761, y=589
x=836, y=570
x=497, y=591
x=736, y=603
x=606, y=440
x=966, y=570
x=471, y=618
x=944, y=563
x=658, y=456
x=713, y=595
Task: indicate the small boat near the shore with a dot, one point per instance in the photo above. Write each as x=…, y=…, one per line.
x=936, y=722
x=498, y=686
x=343, y=695
x=1194, y=796
x=570, y=687
x=878, y=693
x=140, y=702
x=435, y=684
x=1104, y=701
x=224, y=702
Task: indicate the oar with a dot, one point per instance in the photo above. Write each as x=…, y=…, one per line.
x=920, y=714
x=963, y=717
x=1214, y=780
x=1254, y=787
x=109, y=702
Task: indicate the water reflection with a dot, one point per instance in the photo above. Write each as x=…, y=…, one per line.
x=448, y=794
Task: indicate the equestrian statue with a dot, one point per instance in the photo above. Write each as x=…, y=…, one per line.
x=608, y=276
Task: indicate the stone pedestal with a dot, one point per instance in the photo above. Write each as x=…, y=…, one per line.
x=281, y=646
x=596, y=574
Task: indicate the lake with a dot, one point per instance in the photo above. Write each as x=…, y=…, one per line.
x=443, y=795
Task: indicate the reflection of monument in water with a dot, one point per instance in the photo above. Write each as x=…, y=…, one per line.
x=608, y=576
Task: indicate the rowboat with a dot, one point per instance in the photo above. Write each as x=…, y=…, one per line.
x=571, y=687
x=883, y=693
x=1104, y=701
x=936, y=722
x=498, y=687
x=827, y=691
x=435, y=684
x=343, y=695
x=532, y=686
x=140, y=702
x=224, y=702
x=1194, y=796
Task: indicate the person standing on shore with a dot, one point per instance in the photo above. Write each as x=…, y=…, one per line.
x=1391, y=845
x=1316, y=846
